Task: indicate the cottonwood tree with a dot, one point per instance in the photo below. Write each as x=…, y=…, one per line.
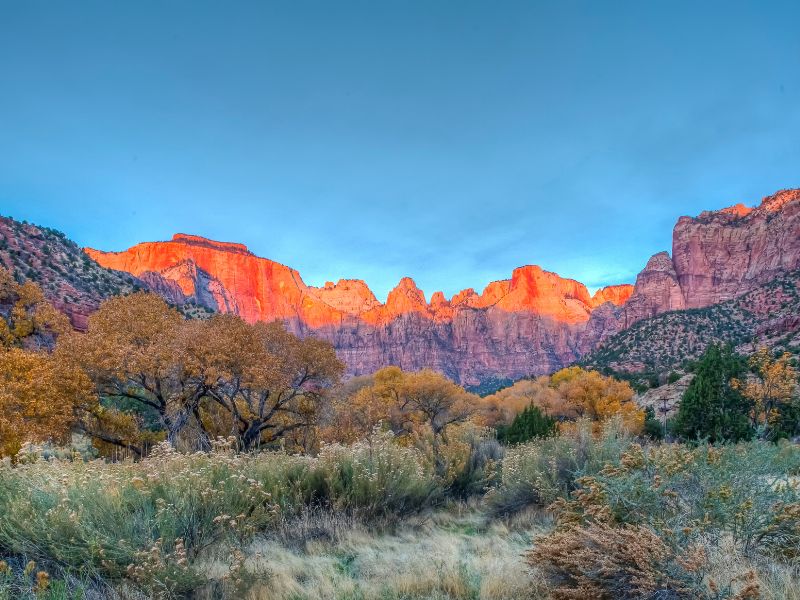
x=771, y=388
x=36, y=396
x=501, y=408
x=346, y=415
x=36, y=399
x=270, y=381
x=138, y=351
x=597, y=397
x=256, y=382
x=430, y=398
x=414, y=405
x=376, y=402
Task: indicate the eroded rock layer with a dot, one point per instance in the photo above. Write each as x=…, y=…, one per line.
x=532, y=323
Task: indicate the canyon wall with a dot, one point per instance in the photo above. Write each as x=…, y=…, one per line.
x=518, y=326
x=716, y=256
x=532, y=323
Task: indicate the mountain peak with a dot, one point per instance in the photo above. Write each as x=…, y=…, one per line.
x=778, y=200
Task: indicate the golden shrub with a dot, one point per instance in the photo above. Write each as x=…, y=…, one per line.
x=599, y=561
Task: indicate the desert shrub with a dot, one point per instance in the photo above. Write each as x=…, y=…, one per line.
x=153, y=520
x=375, y=477
x=745, y=494
x=24, y=579
x=540, y=471
x=97, y=516
x=599, y=561
x=647, y=525
x=481, y=469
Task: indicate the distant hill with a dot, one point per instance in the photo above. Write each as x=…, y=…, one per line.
x=71, y=280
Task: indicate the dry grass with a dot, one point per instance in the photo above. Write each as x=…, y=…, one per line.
x=765, y=579
x=441, y=556
x=370, y=522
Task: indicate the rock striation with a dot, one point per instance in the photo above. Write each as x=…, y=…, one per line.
x=517, y=326
x=716, y=256
x=532, y=323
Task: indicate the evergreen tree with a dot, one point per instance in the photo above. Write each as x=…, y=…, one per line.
x=652, y=427
x=787, y=420
x=530, y=423
x=711, y=407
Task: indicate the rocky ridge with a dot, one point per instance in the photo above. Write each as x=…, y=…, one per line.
x=515, y=326
x=716, y=256
x=531, y=323
x=768, y=315
x=71, y=280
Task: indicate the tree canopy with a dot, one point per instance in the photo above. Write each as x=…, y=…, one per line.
x=194, y=379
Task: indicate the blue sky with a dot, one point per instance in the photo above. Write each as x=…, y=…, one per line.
x=446, y=140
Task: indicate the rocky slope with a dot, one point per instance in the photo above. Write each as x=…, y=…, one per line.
x=716, y=256
x=768, y=315
x=71, y=280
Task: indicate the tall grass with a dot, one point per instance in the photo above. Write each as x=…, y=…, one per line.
x=604, y=514
x=155, y=518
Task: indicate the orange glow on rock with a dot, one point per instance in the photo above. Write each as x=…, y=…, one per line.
x=259, y=289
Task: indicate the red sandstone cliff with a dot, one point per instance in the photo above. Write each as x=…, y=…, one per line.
x=229, y=278
x=532, y=323
x=616, y=294
x=525, y=324
x=716, y=256
x=719, y=255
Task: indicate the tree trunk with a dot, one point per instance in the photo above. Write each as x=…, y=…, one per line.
x=437, y=456
x=251, y=435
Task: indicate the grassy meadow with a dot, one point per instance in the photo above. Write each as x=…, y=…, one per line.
x=581, y=515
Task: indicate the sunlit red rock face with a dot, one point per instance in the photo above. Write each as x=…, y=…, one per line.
x=532, y=323
x=522, y=325
x=223, y=276
x=616, y=294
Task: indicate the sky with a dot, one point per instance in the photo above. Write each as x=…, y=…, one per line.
x=449, y=141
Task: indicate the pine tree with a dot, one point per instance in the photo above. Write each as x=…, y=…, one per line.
x=528, y=424
x=711, y=407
